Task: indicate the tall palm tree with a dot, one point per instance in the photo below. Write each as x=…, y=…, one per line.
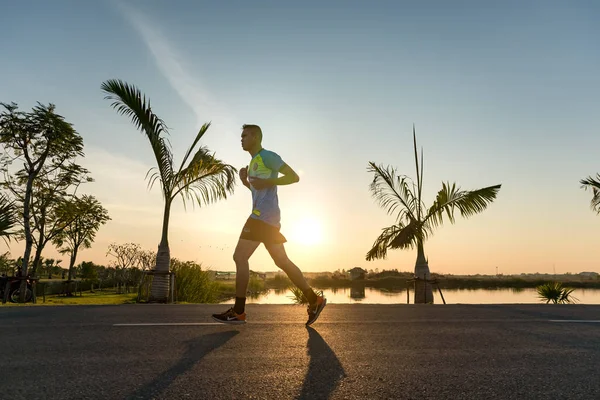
x=594, y=186
x=399, y=195
x=201, y=179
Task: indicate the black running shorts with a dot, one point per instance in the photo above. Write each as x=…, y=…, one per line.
x=259, y=231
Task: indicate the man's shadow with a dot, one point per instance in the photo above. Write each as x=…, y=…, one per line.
x=324, y=369
x=197, y=349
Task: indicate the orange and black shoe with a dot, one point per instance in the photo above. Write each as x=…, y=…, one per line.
x=314, y=310
x=230, y=317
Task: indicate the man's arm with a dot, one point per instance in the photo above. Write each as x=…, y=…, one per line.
x=289, y=176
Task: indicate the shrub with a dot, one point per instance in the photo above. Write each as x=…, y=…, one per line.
x=256, y=284
x=554, y=292
x=193, y=284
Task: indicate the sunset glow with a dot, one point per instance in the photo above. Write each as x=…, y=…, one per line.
x=307, y=231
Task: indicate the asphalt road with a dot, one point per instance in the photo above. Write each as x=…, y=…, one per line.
x=353, y=352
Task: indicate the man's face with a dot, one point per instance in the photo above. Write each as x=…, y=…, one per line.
x=248, y=139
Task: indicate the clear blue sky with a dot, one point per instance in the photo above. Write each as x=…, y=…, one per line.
x=499, y=93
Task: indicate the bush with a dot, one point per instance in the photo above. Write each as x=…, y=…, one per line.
x=255, y=284
x=297, y=295
x=225, y=290
x=279, y=281
x=193, y=284
x=554, y=292
x=58, y=286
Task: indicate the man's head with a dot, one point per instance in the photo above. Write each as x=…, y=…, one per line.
x=251, y=137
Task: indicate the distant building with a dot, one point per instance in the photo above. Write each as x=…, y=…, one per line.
x=357, y=273
x=261, y=275
x=225, y=275
x=589, y=274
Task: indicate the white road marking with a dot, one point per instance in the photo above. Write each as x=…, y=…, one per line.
x=173, y=324
x=358, y=322
x=594, y=321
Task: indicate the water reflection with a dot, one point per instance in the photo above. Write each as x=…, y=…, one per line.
x=453, y=296
x=357, y=292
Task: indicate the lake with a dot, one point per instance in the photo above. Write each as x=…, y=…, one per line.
x=452, y=296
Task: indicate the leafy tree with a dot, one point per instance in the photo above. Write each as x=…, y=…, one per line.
x=51, y=267
x=127, y=256
x=86, y=215
x=146, y=259
x=400, y=196
x=202, y=179
x=36, y=139
x=52, y=186
x=88, y=271
x=6, y=264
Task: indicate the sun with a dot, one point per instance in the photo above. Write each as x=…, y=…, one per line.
x=307, y=231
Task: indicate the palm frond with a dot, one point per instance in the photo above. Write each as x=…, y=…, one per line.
x=205, y=179
x=469, y=203
x=8, y=218
x=129, y=101
x=394, y=193
x=153, y=177
x=201, y=133
x=395, y=237
x=594, y=186
x=419, y=188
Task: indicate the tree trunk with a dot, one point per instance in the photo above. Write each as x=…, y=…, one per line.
x=423, y=290
x=28, y=236
x=70, y=276
x=36, y=259
x=160, y=281
x=72, y=264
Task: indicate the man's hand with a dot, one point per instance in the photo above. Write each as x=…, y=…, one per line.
x=244, y=174
x=258, y=183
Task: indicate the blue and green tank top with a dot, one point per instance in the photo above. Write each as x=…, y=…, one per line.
x=265, y=205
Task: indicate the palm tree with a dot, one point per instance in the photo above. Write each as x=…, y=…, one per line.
x=399, y=195
x=8, y=218
x=594, y=186
x=202, y=179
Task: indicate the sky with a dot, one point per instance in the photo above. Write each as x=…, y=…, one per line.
x=499, y=93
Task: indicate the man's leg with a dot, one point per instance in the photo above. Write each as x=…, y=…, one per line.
x=279, y=256
x=243, y=251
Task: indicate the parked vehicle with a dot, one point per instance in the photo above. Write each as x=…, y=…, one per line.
x=14, y=288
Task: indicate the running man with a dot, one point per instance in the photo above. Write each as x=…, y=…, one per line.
x=263, y=225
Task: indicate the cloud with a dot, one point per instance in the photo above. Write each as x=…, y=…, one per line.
x=172, y=65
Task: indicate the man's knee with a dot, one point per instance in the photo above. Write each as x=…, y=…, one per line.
x=282, y=262
x=240, y=258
